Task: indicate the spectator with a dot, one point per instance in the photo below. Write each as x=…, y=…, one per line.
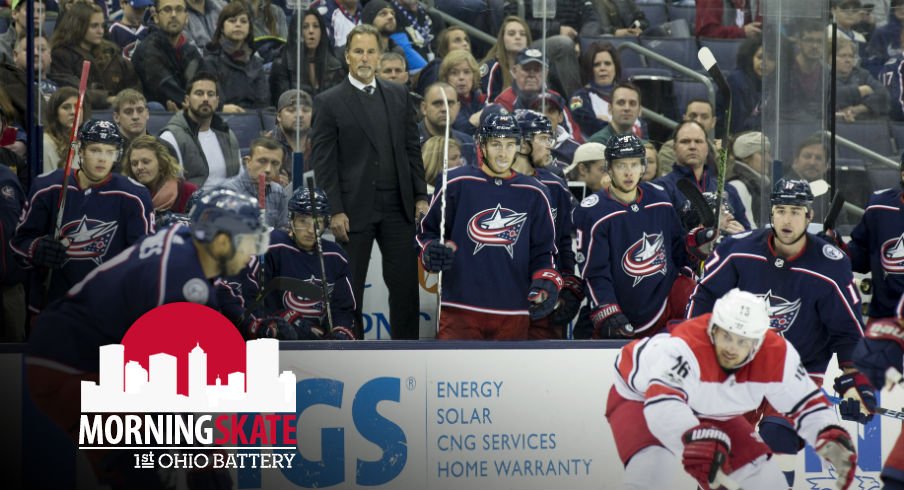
x=265, y=158
x=600, y=71
x=496, y=67
x=80, y=37
x=243, y=82
x=811, y=163
x=15, y=78
x=573, y=18
x=422, y=27
x=149, y=161
x=699, y=110
x=166, y=59
x=620, y=18
x=858, y=94
x=16, y=31
x=321, y=69
x=728, y=18
x=623, y=113
x=375, y=183
x=885, y=42
x=59, y=113
x=393, y=67
x=382, y=15
x=8, y=155
x=131, y=115
x=847, y=15
x=205, y=146
x=269, y=20
x=752, y=153
x=564, y=144
x=482, y=14
x=341, y=16
x=434, y=123
x=450, y=39
x=293, y=129
x=201, y=17
x=652, y=162
x=130, y=27
x=803, y=96
x=459, y=69
x=432, y=152
x=589, y=167
x=746, y=83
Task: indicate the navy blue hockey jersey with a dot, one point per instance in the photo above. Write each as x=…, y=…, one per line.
x=504, y=230
x=158, y=270
x=707, y=183
x=631, y=253
x=12, y=199
x=563, y=202
x=812, y=299
x=892, y=76
x=285, y=259
x=99, y=222
x=877, y=246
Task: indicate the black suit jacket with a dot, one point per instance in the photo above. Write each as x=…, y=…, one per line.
x=344, y=156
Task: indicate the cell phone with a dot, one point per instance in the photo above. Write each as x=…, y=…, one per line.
x=8, y=136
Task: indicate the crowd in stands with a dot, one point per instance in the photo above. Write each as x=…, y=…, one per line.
x=173, y=76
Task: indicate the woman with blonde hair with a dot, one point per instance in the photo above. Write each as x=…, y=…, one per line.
x=149, y=162
x=459, y=69
x=432, y=155
x=496, y=68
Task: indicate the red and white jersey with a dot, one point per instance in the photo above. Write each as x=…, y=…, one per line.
x=678, y=378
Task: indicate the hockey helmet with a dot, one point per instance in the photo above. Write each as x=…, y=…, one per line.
x=741, y=313
x=792, y=192
x=625, y=146
x=690, y=217
x=100, y=131
x=226, y=211
x=499, y=126
x=307, y=201
x=532, y=122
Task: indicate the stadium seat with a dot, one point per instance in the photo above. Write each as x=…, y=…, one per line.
x=688, y=13
x=687, y=90
x=628, y=58
x=870, y=134
x=882, y=177
x=725, y=51
x=656, y=13
x=680, y=50
x=792, y=134
x=245, y=125
x=268, y=119
x=104, y=115
x=157, y=121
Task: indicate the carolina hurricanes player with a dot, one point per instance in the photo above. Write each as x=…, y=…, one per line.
x=499, y=225
x=684, y=393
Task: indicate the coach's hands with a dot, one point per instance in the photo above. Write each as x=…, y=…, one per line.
x=340, y=227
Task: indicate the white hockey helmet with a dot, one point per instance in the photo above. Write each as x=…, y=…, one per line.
x=741, y=313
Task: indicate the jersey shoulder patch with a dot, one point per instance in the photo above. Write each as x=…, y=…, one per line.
x=656, y=186
x=484, y=69
x=743, y=234
x=832, y=252
x=590, y=201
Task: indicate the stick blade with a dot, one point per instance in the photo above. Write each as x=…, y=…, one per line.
x=706, y=57
x=693, y=194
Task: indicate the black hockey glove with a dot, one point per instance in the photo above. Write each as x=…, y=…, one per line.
x=305, y=328
x=544, y=292
x=271, y=327
x=849, y=408
x=611, y=323
x=48, y=252
x=879, y=350
x=438, y=257
x=570, y=298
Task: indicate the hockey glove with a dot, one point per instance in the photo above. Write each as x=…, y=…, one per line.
x=611, y=323
x=835, y=446
x=879, y=350
x=48, y=253
x=437, y=256
x=570, y=299
x=272, y=327
x=305, y=328
x=706, y=449
x=544, y=293
x=341, y=333
x=862, y=394
x=699, y=242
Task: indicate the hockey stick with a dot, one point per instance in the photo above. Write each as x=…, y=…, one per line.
x=724, y=481
x=262, y=204
x=709, y=63
x=318, y=245
x=442, y=208
x=886, y=412
x=834, y=211
x=693, y=194
x=282, y=283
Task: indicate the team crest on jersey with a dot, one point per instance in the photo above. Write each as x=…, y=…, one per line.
x=646, y=257
x=832, y=252
x=590, y=201
x=891, y=255
x=496, y=227
x=303, y=305
x=782, y=312
x=89, y=239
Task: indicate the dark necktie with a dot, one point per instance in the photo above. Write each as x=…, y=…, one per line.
x=369, y=89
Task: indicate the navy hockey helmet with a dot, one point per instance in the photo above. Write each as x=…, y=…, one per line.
x=307, y=201
x=225, y=211
x=532, y=122
x=690, y=217
x=99, y=131
x=792, y=192
x=499, y=126
x=625, y=146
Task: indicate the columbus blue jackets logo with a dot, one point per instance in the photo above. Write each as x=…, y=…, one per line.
x=646, y=257
x=782, y=312
x=88, y=239
x=306, y=306
x=891, y=255
x=496, y=227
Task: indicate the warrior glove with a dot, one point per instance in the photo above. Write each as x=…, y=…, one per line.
x=863, y=395
x=706, y=452
x=610, y=322
x=570, y=298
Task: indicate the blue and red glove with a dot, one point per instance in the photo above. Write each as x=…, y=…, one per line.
x=881, y=348
x=271, y=327
x=437, y=256
x=544, y=292
x=611, y=323
x=570, y=298
x=699, y=242
x=849, y=408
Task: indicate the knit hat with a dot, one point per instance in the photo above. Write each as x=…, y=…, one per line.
x=370, y=11
x=289, y=98
x=749, y=143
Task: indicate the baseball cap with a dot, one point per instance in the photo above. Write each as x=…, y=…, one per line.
x=589, y=152
x=289, y=98
x=749, y=143
x=140, y=3
x=529, y=55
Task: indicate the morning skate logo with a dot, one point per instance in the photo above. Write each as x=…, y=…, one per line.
x=184, y=378
x=892, y=255
x=496, y=227
x=88, y=238
x=646, y=257
x=782, y=312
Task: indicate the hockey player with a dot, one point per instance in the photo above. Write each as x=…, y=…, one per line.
x=533, y=158
x=811, y=298
x=179, y=264
x=632, y=247
x=499, y=224
x=680, y=394
x=104, y=214
x=294, y=255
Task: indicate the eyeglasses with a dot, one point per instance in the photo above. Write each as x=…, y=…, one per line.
x=168, y=10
